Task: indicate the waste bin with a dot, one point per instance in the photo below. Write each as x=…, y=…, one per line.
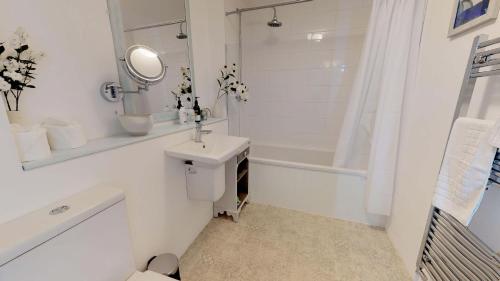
x=166, y=264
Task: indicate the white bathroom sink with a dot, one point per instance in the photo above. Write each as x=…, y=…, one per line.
x=215, y=149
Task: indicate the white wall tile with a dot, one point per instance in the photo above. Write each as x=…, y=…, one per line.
x=328, y=194
x=299, y=87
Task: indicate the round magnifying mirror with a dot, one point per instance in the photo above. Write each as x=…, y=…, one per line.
x=144, y=64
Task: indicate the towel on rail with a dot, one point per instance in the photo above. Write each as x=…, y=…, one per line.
x=465, y=170
x=494, y=139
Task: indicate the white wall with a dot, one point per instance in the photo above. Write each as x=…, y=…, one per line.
x=144, y=12
x=299, y=86
x=161, y=217
x=77, y=38
x=207, y=22
x=427, y=119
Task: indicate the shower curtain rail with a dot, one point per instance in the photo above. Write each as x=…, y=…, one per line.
x=237, y=11
x=154, y=25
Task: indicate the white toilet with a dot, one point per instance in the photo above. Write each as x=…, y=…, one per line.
x=82, y=238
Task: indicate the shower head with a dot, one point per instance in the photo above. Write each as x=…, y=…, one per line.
x=181, y=34
x=275, y=22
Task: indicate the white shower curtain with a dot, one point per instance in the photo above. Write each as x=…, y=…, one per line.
x=369, y=137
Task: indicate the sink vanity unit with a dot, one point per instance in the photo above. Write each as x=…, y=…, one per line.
x=236, y=194
x=216, y=170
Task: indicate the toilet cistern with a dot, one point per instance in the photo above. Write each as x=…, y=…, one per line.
x=199, y=132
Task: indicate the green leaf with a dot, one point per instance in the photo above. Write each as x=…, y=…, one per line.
x=27, y=61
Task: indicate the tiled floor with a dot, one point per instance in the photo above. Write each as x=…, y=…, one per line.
x=272, y=244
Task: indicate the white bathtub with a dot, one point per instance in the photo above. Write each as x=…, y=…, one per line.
x=305, y=180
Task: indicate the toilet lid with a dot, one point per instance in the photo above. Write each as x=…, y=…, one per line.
x=149, y=276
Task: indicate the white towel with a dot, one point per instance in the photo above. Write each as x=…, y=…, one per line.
x=494, y=138
x=466, y=169
x=64, y=134
x=31, y=142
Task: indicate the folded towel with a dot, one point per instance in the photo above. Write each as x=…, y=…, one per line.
x=494, y=138
x=465, y=170
x=64, y=134
x=31, y=142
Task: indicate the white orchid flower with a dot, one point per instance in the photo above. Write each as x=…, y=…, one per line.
x=11, y=65
x=224, y=71
x=244, y=96
x=9, y=52
x=234, y=68
x=4, y=85
x=185, y=72
x=15, y=42
x=14, y=75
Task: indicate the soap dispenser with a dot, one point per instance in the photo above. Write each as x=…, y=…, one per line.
x=197, y=110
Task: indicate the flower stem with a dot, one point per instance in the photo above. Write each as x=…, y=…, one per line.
x=17, y=100
x=6, y=94
x=25, y=82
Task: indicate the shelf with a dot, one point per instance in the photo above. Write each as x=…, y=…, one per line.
x=243, y=199
x=113, y=142
x=236, y=195
x=242, y=174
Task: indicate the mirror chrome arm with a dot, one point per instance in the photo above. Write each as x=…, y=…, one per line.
x=113, y=92
x=143, y=65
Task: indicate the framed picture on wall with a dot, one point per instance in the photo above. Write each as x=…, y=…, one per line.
x=470, y=13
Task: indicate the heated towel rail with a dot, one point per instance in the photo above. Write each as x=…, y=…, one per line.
x=495, y=171
x=449, y=250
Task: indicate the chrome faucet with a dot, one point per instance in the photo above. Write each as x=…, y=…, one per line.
x=198, y=132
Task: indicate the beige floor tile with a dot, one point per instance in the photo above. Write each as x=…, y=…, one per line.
x=274, y=244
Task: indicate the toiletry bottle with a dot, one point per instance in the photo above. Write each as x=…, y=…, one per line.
x=179, y=103
x=183, y=115
x=190, y=115
x=197, y=110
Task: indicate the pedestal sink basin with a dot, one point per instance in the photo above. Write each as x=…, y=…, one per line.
x=214, y=150
x=204, y=163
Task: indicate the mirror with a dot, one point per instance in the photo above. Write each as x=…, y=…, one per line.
x=160, y=25
x=144, y=65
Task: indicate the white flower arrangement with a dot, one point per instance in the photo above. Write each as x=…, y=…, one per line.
x=184, y=87
x=17, y=63
x=229, y=84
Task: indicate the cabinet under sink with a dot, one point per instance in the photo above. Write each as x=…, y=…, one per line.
x=236, y=194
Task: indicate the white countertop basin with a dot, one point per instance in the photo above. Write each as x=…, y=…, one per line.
x=215, y=149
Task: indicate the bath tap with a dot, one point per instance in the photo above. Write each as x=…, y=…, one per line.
x=199, y=132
